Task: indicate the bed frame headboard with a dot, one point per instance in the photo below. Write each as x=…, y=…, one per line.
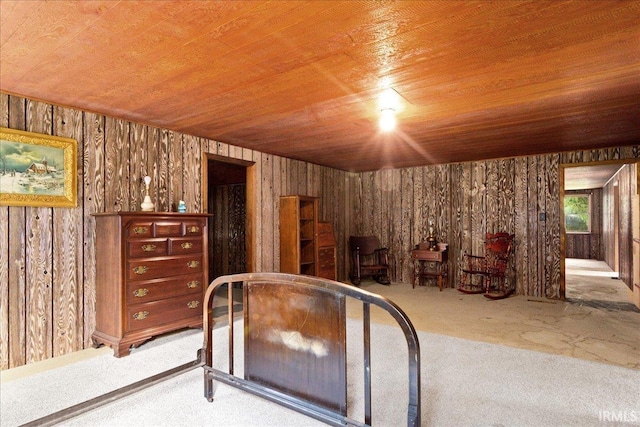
x=295, y=344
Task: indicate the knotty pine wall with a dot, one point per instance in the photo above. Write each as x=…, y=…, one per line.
x=47, y=255
x=467, y=200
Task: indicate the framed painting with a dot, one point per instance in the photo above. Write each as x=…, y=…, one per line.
x=37, y=170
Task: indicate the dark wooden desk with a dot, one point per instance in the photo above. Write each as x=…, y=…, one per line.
x=429, y=264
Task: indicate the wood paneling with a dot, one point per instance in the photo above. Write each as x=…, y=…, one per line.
x=39, y=278
x=47, y=255
x=627, y=181
x=93, y=181
x=467, y=200
x=67, y=260
x=16, y=243
x=4, y=255
x=48, y=302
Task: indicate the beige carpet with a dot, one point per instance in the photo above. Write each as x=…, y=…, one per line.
x=585, y=332
x=464, y=383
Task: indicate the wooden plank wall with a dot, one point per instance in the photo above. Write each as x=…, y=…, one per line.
x=47, y=258
x=587, y=245
x=626, y=179
x=47, y=255
x=467, y=200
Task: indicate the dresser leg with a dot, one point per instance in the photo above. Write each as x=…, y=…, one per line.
x=121, y=350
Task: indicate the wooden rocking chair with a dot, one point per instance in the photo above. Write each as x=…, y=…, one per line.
x=368, y=258
x=488, y=273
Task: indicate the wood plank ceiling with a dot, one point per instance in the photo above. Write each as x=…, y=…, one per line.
x=474, y=79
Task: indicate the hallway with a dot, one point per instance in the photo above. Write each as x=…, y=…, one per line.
x=593, y=282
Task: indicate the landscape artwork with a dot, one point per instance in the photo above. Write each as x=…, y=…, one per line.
x=37, y=170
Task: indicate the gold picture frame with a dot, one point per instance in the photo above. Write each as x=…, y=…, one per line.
x=37, y=169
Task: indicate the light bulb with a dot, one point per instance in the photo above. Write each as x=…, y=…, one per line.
x=387, y=120
x=388, y=99
x=147, y=180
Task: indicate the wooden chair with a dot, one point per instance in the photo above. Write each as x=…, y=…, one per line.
x=368, y=258
x=488, y=273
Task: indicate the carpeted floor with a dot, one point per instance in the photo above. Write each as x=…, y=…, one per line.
x=464, y=383
x=529, y=379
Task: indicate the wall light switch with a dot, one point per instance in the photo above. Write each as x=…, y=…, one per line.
x=543, y=216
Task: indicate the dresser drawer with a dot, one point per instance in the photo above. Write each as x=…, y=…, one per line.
x=168, y=228
x=427, y=255
x=185, y=245
x=147, y=248
x=325, y=255
x=327, y=273
x=326, y=259
x=142, y=269
x=156, y=313
x=140, y=229
x=193, y=228
x=152, y=290
x=325, y=234
x=326, y=263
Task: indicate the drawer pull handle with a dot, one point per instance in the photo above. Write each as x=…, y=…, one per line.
x=141, y=269
x=193, y=264
x=148, y=248
x=193, y=284
x=141, y=292
x=140, y=230
x=141, y=315
x=193, y=304
x=193, y=229
x=187, y=245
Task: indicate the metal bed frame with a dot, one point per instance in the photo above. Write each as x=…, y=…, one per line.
x=295, y=344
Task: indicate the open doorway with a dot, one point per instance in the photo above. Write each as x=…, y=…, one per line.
x=594, y=220
x=228, y=192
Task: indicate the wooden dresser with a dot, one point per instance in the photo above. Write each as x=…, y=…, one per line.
x=151, y=274
x=327, y=266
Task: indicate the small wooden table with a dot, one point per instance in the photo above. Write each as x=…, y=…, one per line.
x=438, y=259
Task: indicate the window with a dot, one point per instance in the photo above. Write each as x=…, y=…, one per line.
x=577, y=213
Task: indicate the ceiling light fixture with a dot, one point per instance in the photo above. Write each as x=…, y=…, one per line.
x=387, y=119
x=388, y=102
x=388, y=98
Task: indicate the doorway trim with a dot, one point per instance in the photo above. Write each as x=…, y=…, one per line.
x=251, y=195
x=563, y=166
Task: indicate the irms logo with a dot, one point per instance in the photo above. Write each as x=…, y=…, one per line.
x=619, y=416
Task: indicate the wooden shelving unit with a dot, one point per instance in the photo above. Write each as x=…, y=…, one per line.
x=299, y=235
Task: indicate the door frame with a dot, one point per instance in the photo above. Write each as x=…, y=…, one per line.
x=251, y=197
x=563, y=166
